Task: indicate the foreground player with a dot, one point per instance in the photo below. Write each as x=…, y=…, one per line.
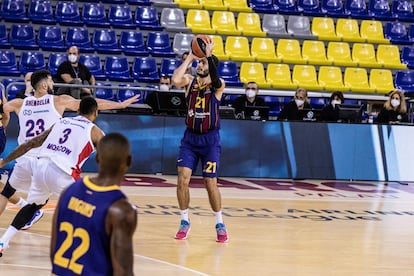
x=201, y=139
x=95, y=212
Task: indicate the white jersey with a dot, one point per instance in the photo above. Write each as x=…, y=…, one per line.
x=36, y=116
x=69, y=144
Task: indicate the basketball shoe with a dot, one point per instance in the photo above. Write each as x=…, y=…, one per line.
x=183, y=230
x=38, y=215
x=221, y=233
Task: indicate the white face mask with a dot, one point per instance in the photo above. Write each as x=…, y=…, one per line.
x=395, y=102
x=250, y=93
x=164, y=87
x=299, y=102
x=335, y=102
x=73, y=58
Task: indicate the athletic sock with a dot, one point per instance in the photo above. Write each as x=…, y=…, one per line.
x=219, y=217
x=9, y=234
x=21, y=203
x=184, y=214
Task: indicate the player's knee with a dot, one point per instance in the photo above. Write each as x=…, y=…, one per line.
x=8, y=191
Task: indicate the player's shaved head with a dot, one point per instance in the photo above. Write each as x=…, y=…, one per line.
x=113, y=154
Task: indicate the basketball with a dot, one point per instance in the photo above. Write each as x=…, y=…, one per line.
x=198, y=45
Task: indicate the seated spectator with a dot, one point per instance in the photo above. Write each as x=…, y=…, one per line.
x=74, y=72
x=249, y=99
x=328, y=113
x=151, y=99
x=291, y=110
x=28, y=91
x=394, y=110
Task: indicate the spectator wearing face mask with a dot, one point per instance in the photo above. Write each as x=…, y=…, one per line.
x=28, y=90
x=328, y=113
x=74, y=72
x=394, y=110
x=290, y=111
x=164, y=86
x=249, y=99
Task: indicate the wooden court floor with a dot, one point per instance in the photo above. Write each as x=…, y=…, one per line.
x=276, y=227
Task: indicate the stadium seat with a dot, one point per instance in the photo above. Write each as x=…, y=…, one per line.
x=94, y=15
x=289, y=51
x=67, y=13
x=356, y=80
x=199, y=21
x=348, y=30
x=314, y=52
x=228, y=71
x=132, y=43
x=93, y=62
x=309, y=7
x=31, y=61
x=305, y=76
x=54, y=60
x=4, y=37
x=397, y=33
x=104, y=93
x=223, y=22
x=373, y=32
x=274, y=25
x=411, y=33
x=381, y=81
x=140, y=2
x=8, y=63
x=403, y=10
x=41, y=11
x=299, y=26
x=279, y=76
x=14, y=11
x=145, y=69
x=339, y=53
x=286, y=6
x=332, y=8
x=159, y=44
x=214, y=5
x=146, y=18
x=120, y=16
x=105, y=41
x=407, y=56
x=356, y=9
x=78, y=36
x=116, y=68
x=237, y=6
x=330, y=78
x=125, y=93
x=50, y=38
x=389, y=57
x=253, y=71
x=404, y=80
x=237, y=48
x=379, y=9
x=188, y=4
x=249, y=24
x=364, y=55
x=182, y=43
x=324, y=28
x=263, y=6
x=173, y=20
x=168, y=66
x=23, y=37
x=218, y=50
x=162, y=3
x=13, y=87
x=263, y=49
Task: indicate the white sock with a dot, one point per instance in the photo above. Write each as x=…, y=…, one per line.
x=21, y=203
x=219, y=217
x=184, y=214
x=8, y=235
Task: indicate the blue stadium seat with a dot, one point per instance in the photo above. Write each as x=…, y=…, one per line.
x=403, y=10
x=31, y=61
x=54, y=60
x=23, y=37
x=263, y=6
x=274, y=105
x=404, y=80
x=41, y=11
x=356, y=9
x=94, y=15
x=104, y=93
x=121, y=17
x=309, y=7
x=50, y=38
x=116, y=68
x=67, y=13
x=411, y=33
x=407, y=56
x=132, y=43
x=396, y=32
x=332, y=8
x=159, y=44
x=78, y=36
x=168, y=66
x=139, y=2
x=113, y=1
x=4, y=37
x=286, y=6
x=125, y=93
x=93, y=62
x=147, y=18
x=145, y=69
x=105, y=41
x=13, y=87
x=14, y=11
x=8, y=63
x=379, y=9
x=229, y=72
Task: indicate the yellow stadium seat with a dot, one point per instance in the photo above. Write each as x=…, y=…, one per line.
x=381, y=80
x=237, y=48
x=249, y=24
x=324, y=28
x=330, y=78
x=188, y=4
x=348, y=30
x=199, y=21
x=263, y=50
x=389, y=57
x=279, y=76
x=218, y=50
x=305, y=76
x=364, y=55
x=237, y=5
x=215, y=5
x=253, y=71
x=356, y=80
x=340, y=54
x=373, y=32
x=288, y=50
x=223, y=22
x=314, y=52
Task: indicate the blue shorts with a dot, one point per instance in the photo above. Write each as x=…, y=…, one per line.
x=2, y=140
x=205, y=147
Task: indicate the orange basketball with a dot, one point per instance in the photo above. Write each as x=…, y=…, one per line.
x=198, y=45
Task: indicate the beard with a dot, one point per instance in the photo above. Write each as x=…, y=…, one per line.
x=202, y=74
x=50, y=91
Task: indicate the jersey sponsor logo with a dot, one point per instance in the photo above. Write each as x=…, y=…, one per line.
x=79, y=206
x=27, y=112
